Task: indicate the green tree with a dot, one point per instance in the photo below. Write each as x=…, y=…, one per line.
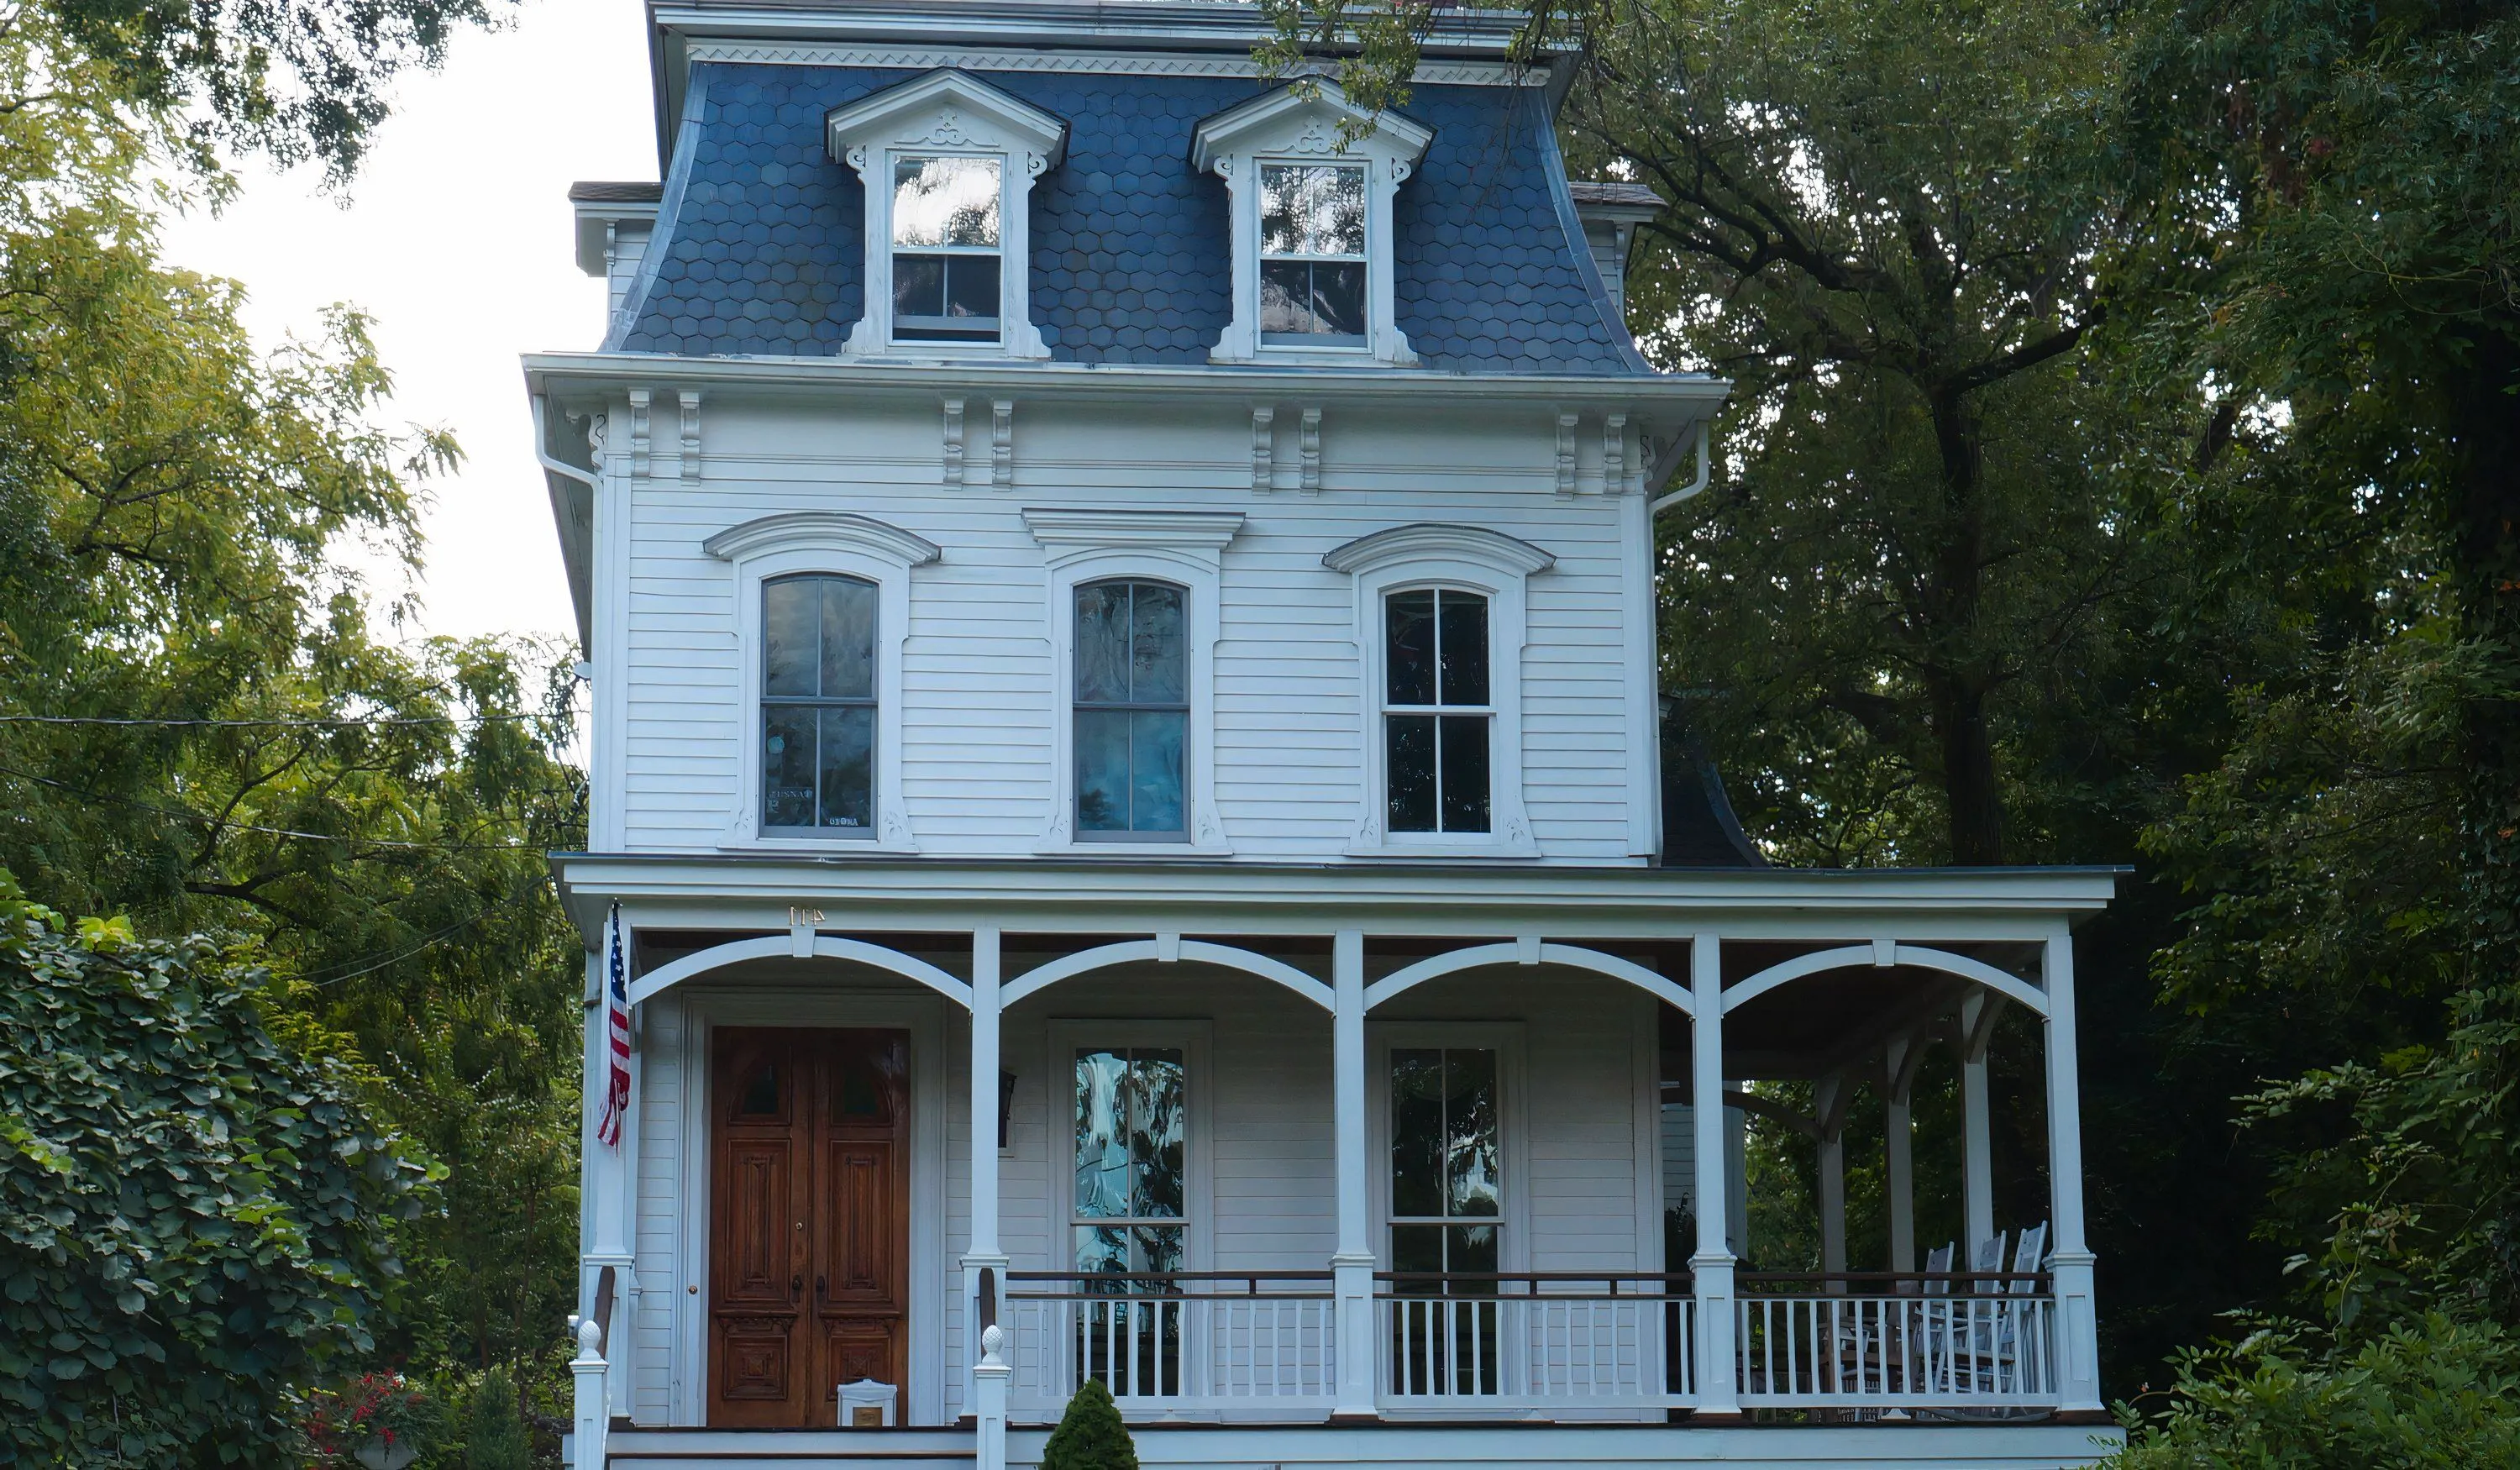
x=193, y=1209
x=494, y=1436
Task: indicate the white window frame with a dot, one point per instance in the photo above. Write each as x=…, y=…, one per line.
x=834, y=543
x=1195, y=1039
x=948, y=113
x=1185, y=547
x=1463, y=558
x=1287, y=127
x=1506, y=1039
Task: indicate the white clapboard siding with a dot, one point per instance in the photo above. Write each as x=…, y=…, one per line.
x=976, y=735
x=663, y=1118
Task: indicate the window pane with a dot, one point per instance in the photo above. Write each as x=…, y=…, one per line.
x=1101, y=771
x=1102, y=1171
x=1466, y=773
x=788, y=624
x=848, y=638
x=1338, y=298
x=1409, y=772
x=1409, y=648
x=1335, y=211
x=1464, y=644
x=1285, y=297
x=1159, y=1249
x=1156, y=674
x=1416, y=1132
x=1282, y=208
x=847, y=767
x=1470, y=1134
x=1418, y=1248
x=760, y=1098
x=1102, y=1250
x=1470, y=1248
x=972, y=286
x=917, y=286
x=787, y=767
x=1103, y=644
x=945, y=201
x=1155, y=1128
x=1155, y=772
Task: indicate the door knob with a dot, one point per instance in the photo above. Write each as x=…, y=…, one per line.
x=797, y=1287
x=821, y=1292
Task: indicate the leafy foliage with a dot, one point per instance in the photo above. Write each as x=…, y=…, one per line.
x=1091, y=1435
x=196, y=1215
x=495, y=1436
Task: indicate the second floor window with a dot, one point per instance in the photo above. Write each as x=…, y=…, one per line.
x=1132, y=711
x=1312, y=255
x=1436, y=711
x=945, y=248
x=818, y=706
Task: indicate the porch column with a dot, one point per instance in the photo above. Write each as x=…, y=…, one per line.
x=1718, y=1389
x=1977, y=1154
x=2076, y=1327
x=608, y=1183
x=984, y=1265
x=1352, y=1262
x=1830, y=1110
x=1898, y=1155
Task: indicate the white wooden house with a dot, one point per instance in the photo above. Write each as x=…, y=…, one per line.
x=1130, y=798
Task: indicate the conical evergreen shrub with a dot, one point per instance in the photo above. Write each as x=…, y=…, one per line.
x=1090, y=1435
x=495, y=1437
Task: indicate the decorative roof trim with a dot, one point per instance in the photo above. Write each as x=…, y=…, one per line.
x=1428, y=541
x=1431, y=73
x=1273, y=119
x=821, y=530
x=1173, y=530
x=859, y=122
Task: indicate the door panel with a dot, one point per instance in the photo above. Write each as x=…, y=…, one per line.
x=812, y=1142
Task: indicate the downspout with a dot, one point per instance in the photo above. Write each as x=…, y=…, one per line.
x=1705, y=465
x=586, y=477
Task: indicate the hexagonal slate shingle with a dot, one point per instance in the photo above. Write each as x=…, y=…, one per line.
x=761, y=242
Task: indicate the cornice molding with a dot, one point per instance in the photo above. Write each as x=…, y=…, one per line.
x=1169, y=530
x=1429, y=541
x=1432, y=74
x=821, y=530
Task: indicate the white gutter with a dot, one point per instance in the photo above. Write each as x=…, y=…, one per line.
x=1705, y=465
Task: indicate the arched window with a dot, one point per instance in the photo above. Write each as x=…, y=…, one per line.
x=818, y=705
x=1131, y=706
x=1437, y=710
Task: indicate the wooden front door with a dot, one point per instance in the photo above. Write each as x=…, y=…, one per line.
x=809, y=1230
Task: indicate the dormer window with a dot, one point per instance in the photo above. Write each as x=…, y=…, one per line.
x=946, y=260
x=1313, y=257
x=949, y=164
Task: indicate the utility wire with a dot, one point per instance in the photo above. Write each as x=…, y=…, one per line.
x=322, y=979
x=345, y=722
x=248, y=827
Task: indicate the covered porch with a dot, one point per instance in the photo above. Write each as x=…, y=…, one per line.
x=1358, y=1148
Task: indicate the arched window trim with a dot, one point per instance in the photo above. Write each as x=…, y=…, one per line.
x=1194, y=570
x=1457, y=558
x=833, y=544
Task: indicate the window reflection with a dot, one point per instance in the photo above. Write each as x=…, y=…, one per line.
x=818, y=703
x=1447, y=1193
x=1132, y=710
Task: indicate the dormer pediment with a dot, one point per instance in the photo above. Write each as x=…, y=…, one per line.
x=1286, y=122
x=946, y=110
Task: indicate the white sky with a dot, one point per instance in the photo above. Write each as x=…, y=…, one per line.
x=456, y=236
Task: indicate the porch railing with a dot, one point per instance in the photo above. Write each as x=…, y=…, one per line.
x=1251, y=1344
x=1874, y=1340
x=1535, y=1340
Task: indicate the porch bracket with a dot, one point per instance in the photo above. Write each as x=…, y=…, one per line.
x=1573, y=957
x=665, y=977
x=1868, y=953
x=1141, y=950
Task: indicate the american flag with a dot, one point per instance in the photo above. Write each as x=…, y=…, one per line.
x=616, y=1095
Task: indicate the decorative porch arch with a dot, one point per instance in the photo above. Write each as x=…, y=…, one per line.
x=1883, y=955
x=1165, y=952
x=1525, y=952
x=783, y=947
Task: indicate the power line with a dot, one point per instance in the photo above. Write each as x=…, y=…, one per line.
x=248, y=827
x=345, y=722
x=431, y=941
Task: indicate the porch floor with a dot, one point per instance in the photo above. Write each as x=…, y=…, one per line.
x=1401, y=1446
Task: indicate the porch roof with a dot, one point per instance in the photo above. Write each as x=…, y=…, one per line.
x=1100, y=895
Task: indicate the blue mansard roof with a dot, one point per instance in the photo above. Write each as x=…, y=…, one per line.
x=760, y=235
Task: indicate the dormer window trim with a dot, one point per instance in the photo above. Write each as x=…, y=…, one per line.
x=1284, y=129
x=942, y=116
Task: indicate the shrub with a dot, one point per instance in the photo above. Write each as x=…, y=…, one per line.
x=1090, y=1435
x=496, y=1438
